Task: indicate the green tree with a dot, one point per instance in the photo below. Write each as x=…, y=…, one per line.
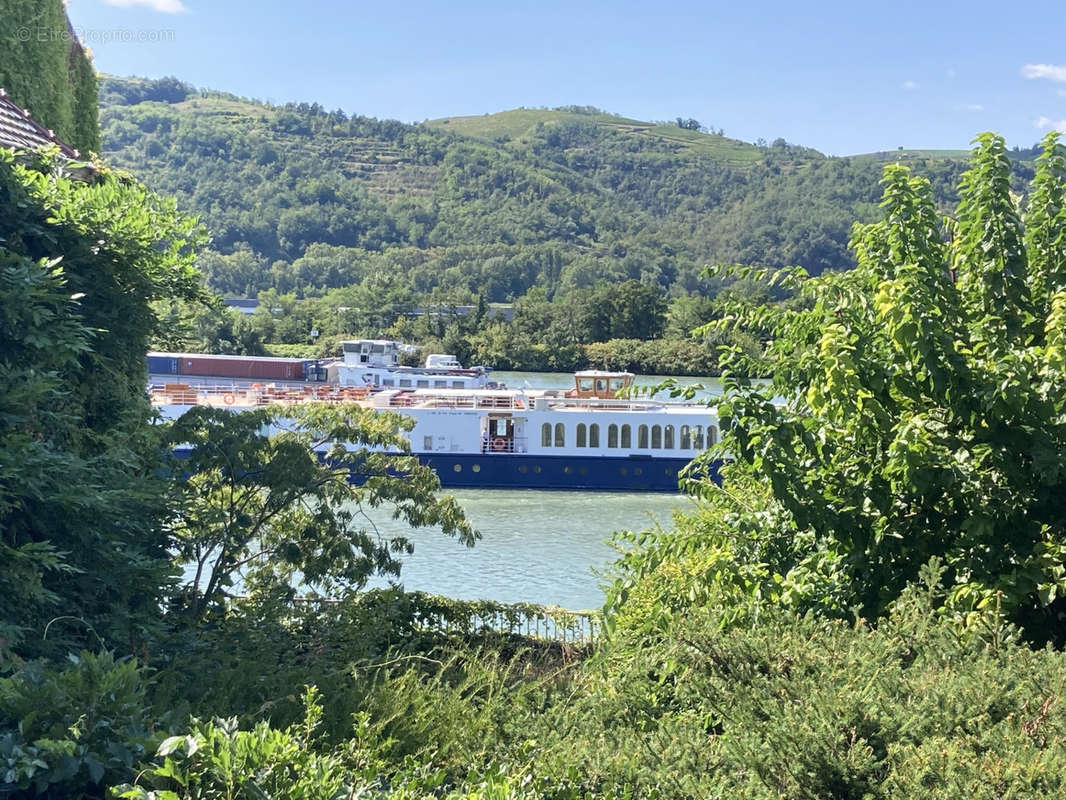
x=81, y=502
x=272, y=510
x=922, y=398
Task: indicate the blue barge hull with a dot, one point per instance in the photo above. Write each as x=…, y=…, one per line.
x=517, y=471
x=513, y=471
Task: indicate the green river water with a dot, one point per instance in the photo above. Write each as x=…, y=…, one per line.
x=537, y=546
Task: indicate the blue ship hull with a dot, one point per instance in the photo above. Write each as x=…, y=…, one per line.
x=516, y=471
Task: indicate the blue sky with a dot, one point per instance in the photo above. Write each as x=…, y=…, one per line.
x=841, y=77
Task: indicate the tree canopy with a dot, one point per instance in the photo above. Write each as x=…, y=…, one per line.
x=916, y=408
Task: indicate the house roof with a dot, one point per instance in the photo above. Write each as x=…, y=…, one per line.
x=19, y=131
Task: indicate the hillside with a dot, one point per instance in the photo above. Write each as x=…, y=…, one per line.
x=525, y=123
x=300, y=198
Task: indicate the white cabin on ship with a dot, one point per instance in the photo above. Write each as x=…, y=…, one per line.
x=376, y=363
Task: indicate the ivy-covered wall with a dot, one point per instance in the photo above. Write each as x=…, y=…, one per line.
x=43, y=68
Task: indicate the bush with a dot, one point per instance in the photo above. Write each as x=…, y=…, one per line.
x=72, y=731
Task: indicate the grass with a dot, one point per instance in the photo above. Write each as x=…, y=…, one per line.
x=521, y=122
x=914, y=155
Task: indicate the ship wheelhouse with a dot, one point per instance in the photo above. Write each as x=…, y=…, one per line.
x=600, y=384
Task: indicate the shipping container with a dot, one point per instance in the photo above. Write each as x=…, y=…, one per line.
x=242, y=367
x=162, y=364
x=238, y=367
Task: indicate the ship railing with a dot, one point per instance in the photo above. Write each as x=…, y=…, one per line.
x=606, y=405
x=494, y=402
x=251, y=396
x=499, y=445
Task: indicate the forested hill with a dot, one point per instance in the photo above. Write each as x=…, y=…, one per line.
x=302, y=199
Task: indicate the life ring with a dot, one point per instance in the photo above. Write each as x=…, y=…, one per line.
x=499, y=444
x=229, y=399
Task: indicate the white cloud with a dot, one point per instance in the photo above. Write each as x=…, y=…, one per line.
x=910, y=85
x=1047, y=122
x=973, y=107
x=165, y=6
x=1053, y=72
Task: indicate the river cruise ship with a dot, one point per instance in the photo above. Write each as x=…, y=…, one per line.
x=591, y=436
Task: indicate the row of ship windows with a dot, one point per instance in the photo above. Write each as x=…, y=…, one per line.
x=407, y=383
x=522, y=468
x=654, y=437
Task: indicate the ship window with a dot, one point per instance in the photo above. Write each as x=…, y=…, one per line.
x=616, y=384
x=440, y=384
x=580, y=435
x=668, y=437
x=377, y=348
x=388, y=382
x=627, y=437
x=697, y=437
x=546, y=435
x=642, y=437
x=568, y=470
x=458, y=467
x=560, y=435
x=612, y=436
x=476, y=468
x=594, y=435
x=712, y=435
x=638, y=471
x=536, y=468
x=405, y=382
x=686, y=438
x=601, y=385
x=584, y=384
x=427, y=442
x=656, y=437
x=423, y=384
x=457, y=384
x=523, y=468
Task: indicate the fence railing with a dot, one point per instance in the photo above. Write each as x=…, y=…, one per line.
x=420, y=612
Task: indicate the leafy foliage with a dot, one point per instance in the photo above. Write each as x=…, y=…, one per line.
x=283, y=510
x=921, y=399
x=70, y=729
x=80, y=503
x=44, y=69
x=791, y=706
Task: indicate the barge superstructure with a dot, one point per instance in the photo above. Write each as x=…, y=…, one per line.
x=591, y=436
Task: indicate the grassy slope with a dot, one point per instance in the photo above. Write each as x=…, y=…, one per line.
x=520, y=123
x=914, y=155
